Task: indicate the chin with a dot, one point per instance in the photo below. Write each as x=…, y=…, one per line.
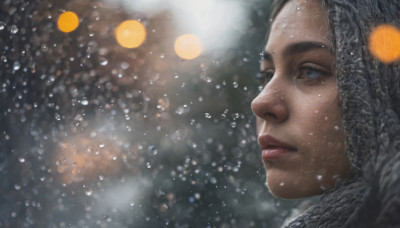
x=293, y=190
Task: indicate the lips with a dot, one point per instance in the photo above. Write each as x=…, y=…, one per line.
x=273, y=149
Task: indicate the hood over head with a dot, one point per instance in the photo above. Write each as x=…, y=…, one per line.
x=369, y=96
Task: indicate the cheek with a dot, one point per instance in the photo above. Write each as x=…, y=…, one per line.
x=320, y=114
x=326, y=149
x=322, y=158
x=324, y=126
x=293, y=185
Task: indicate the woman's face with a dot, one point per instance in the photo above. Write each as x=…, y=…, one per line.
x=298, y=120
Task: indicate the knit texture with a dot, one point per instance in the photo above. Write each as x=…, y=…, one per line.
x=369, y=96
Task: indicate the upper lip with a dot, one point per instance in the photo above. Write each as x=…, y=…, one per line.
x=268, y=142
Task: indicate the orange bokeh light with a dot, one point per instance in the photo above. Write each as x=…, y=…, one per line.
x=188, y=46
x=130, y=34
x=68, y=22
x=384, y=43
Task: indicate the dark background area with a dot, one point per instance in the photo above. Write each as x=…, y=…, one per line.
x=95, y=135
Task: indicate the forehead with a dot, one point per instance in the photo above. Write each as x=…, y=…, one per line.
x=299, y=20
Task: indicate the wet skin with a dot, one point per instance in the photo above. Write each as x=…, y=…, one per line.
x=298, y=121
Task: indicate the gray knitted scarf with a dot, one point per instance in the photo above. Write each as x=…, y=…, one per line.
x=370, y=109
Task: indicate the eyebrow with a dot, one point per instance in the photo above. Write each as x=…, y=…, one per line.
x=297, y=48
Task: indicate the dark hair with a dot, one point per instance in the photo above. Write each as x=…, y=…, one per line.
x=277, y=5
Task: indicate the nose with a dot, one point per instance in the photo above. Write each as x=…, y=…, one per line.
x=270, y=105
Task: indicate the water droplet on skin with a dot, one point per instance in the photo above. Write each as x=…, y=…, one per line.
x=114, y=158
x=298, y=8
x=131, y=204
x=101, y=145
x=17, y=187
x=281, y=184
x=21, y=160
x=101, y=177
x=335, y=177
x=319, y=177
x=148, y=165
x=336, y=127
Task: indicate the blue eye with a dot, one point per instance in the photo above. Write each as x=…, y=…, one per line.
x=309, y=73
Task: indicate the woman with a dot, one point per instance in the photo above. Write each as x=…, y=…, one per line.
x=328, y=115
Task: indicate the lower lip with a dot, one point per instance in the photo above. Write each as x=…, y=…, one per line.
x=275, y=153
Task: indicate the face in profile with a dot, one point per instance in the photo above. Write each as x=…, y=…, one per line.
x=298, y=121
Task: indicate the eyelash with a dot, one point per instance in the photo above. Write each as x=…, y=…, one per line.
x=266, y=75
x=304, y=69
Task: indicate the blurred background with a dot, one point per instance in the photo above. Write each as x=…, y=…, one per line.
x=132, y=113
